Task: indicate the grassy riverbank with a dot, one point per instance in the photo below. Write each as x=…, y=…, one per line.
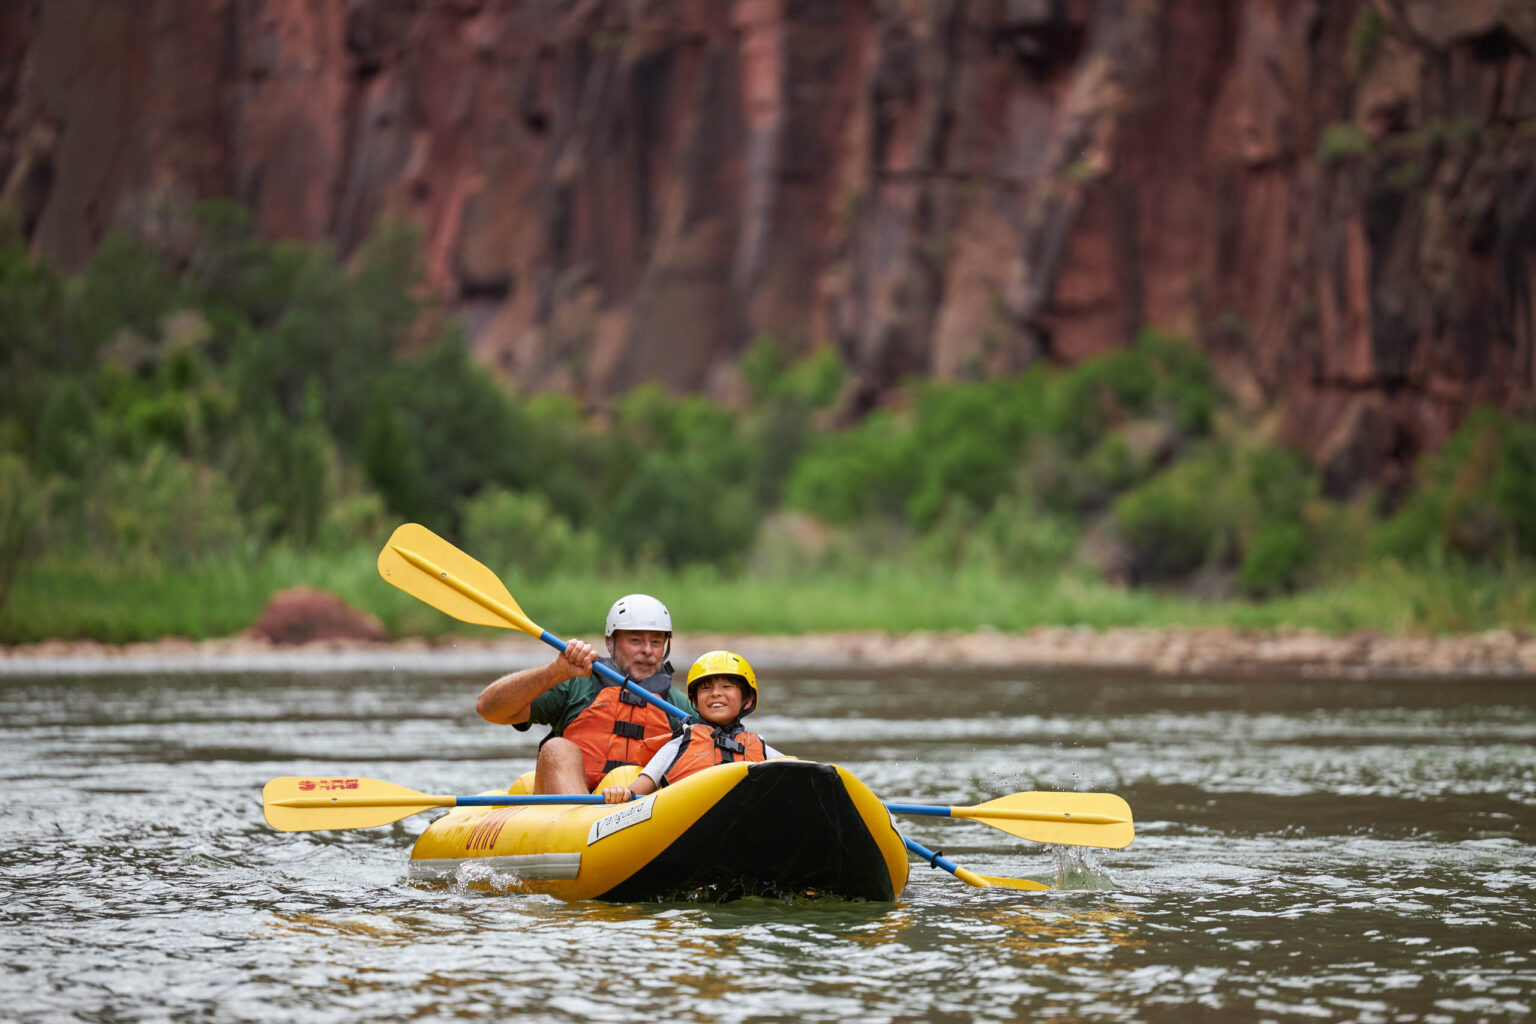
x=184, y=433
x=77, y=601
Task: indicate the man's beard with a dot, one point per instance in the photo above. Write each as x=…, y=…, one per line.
x=638, y=670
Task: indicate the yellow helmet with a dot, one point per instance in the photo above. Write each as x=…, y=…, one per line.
x=723, y=663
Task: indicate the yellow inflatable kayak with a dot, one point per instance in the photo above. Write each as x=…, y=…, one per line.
x=775, y=828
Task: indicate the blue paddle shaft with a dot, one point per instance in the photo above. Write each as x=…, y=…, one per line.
x=613, y=677
x=931, y=857
x=543, y=798
x=931, y=810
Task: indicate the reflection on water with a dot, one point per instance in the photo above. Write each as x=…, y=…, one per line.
x=1308, y=851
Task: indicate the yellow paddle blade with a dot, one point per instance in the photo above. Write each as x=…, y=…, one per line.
x=430, y=569
x=970, y=877
x=1067, y=819
x=1015, y=883
x=305, y=804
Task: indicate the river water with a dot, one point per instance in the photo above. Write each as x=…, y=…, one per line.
x=1305, y=851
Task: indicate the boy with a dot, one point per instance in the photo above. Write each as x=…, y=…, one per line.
x=723, y=687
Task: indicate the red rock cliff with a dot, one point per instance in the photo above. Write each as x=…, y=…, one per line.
x=1335, y=196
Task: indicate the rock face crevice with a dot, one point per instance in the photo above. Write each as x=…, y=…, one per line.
x=1335, y=198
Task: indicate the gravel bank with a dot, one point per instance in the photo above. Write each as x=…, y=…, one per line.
x=1204, y=652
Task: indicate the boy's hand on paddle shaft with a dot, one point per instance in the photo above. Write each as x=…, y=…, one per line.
x=617, y=795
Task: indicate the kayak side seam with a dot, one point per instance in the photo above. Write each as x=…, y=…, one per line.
x=524, y=866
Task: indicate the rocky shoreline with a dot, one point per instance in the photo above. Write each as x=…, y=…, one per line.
x=1174, y=652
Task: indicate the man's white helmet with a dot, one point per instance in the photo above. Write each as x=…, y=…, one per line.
x=638, y=611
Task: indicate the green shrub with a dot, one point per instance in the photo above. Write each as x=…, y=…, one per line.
x=680, y=509
x=813, y=381
x=556, y=452
x=1280, y=482
x=31, y=310
x=357, y=516
x=817, y=378
x=303, y=317
x=161, y=510
x=1156, y=376
x=1514, y=484
x=867, y=470
x=1275, y=560
x=786, y=395
x=438, y=430
x=1081, y=405
x=23, y=496
x=1174, y=521
x=65, y=443
x=1474, y=498
x=1217, y=507
x=124, y=289
x=965, y=442
x=1060, y=437
x=1020, y=538
x=521, y=536
x=285, y=473
x=1414, y=533
x=393, y=465
x=1187, y=390
x=681, y=480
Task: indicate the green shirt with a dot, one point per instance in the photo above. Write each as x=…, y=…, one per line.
x=558, y=706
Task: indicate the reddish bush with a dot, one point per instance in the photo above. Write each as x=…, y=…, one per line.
x=302, y=614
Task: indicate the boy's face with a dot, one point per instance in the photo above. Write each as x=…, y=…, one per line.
x=718, y=699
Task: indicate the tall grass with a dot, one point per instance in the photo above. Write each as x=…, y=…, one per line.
x=118, y=605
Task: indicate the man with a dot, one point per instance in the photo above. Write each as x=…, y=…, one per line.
x=595, y=725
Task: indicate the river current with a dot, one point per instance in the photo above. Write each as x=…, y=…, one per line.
x=1305, y=851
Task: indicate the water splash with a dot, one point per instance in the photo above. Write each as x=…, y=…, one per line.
x=1080, y=868
x=475, y=875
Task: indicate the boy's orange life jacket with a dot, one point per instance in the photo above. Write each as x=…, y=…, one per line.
x=617, y=728
x=706, y=745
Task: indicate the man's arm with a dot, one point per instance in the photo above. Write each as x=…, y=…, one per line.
x=507, y=700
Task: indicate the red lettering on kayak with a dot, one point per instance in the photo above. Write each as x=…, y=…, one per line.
x=485, y=834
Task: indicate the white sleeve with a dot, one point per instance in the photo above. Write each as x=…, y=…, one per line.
x=657, y=766
x=769, y=753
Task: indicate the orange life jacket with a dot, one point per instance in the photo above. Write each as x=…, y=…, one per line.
x=705, y=745
x=617, y=728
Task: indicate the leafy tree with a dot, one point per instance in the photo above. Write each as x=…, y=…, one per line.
x=1174, y=522
x=123, y=294
x=31, y=310
x=682, y=481
x=438, y=430
x=1275, y=560
x=522, y=535
x=965, y=441
x=1514, y=484
x=22, y=499
x=865, y=471
x=1474, y=497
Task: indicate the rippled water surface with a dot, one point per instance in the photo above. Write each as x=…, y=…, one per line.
x=1305, y=851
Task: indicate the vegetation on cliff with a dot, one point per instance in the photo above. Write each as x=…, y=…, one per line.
x=201, y=417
